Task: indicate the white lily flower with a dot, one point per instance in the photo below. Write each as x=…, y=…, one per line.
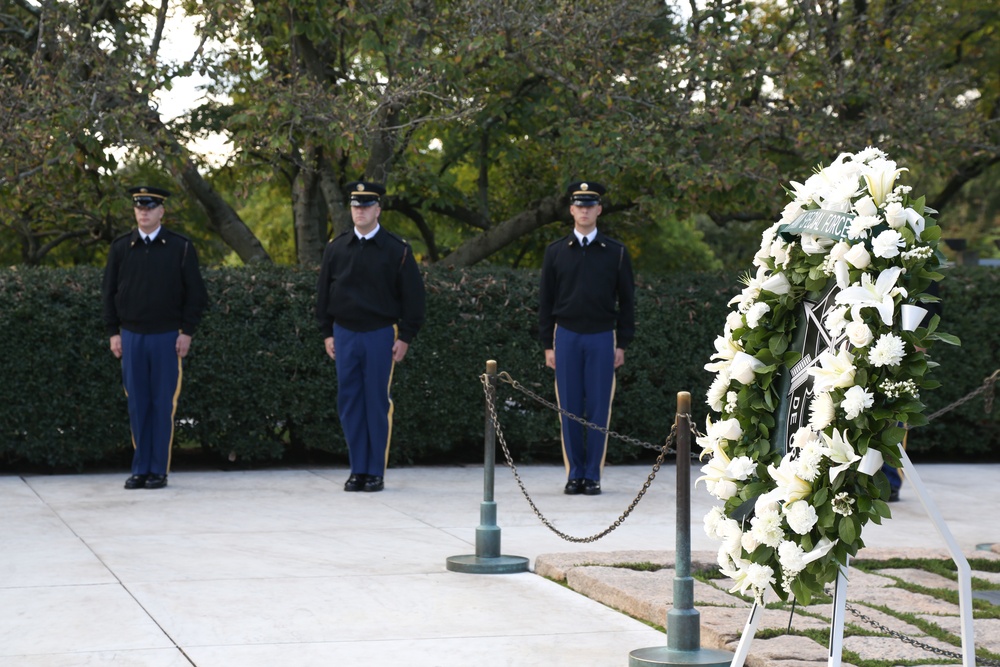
x=840, y=451
x=834, y=371
x=791, y=485
x=880, y=175
x=878, y=294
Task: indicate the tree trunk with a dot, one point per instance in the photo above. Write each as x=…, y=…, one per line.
x=309, y=212
x=482, y=246
x=223, y=218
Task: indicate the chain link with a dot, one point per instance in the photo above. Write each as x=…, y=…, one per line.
x=987, y=388
x=910, y=640
x=505, y=377
x=488, y=388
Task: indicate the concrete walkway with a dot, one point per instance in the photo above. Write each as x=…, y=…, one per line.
x=281, y=567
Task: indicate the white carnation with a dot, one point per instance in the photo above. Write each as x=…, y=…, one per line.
x=858, y=229
x=887, y=244
x=888, y=350
x=801, y=516
x=766, y=528
x=857, y=400
x=791, y=557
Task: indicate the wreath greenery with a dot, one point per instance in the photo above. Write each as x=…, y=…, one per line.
x=809, y=505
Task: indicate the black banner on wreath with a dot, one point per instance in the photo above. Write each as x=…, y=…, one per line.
x=811, y=337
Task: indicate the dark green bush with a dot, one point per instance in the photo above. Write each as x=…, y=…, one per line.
x=258, y=387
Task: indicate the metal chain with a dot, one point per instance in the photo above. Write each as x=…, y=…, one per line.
x=491, y=406
x=505, y=376
x=987, y=388
x=909, y=640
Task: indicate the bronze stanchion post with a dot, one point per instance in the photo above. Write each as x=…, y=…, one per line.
x=487, y=559
x=683, y=620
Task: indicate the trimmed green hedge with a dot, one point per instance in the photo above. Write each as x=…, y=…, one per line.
x=259, y=389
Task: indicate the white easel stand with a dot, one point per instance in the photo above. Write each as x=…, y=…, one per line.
x=840, y=588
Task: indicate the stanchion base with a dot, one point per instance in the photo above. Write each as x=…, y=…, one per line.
x=473, y=564
x=655, y=656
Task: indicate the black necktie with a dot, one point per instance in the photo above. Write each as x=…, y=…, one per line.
x=147, y=240
x=584, y=241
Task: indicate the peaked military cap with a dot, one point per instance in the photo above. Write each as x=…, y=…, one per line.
x=146, y=196
x=585, y=193
x=364, y=193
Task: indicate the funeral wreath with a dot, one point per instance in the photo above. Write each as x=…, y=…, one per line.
x=860, y=250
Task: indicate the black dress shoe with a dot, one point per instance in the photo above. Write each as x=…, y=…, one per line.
x=573, y=487
x=591, y=487
x=355, y=483
x=894, y=496
x=374, y=483
x=135, y=482
x=156, y=481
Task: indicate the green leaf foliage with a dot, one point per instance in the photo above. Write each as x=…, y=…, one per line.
x=259, y=389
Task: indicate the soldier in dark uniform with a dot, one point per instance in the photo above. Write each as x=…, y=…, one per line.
x=370, y=305
x=153, y=298
x=586, y=315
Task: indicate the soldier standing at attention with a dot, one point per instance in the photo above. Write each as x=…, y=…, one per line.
x=586, y=316
x=369, y=307
x=153, y=298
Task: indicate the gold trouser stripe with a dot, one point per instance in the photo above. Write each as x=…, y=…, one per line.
x=392, y=407
x=562, y=436
x=173, y=412
x=611, y=398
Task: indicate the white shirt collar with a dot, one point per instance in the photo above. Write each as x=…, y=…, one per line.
x=151, y=236
x=370, y=234
x=590, y=237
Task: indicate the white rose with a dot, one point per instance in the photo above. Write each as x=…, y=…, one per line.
x=725, y=489
x=859, y=333
x=744, y=368
x=838, y=251
x=857, y=256
x=865, y=206
x=894, y=215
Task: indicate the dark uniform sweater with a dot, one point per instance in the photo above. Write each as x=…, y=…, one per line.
x=153, y=288
x=368, y=285
x=587, y=290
